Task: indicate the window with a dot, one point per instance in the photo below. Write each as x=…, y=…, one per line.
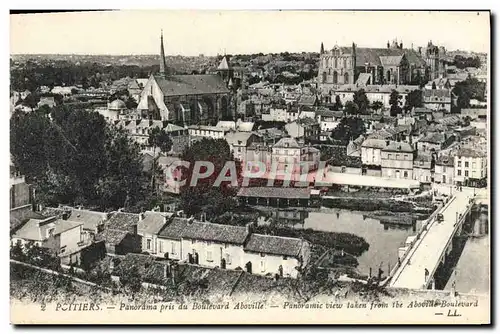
x=466, y=164
x=389, y=156
x=148, y=245
x=173, y=248
x=459, y=172
x=228, y=259
x=405, y=174
x=466, y=173
x=262, y=254
x=473, y=165
x=459, y=163
x=50, y=232
x=209, y=256
x=397, y=156
x=160, y=246
x=262, y=265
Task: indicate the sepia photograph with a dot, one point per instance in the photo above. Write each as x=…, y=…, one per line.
x=250, y=167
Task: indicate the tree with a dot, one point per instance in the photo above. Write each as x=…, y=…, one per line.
x=204, y=196
x=131, y=103
x=361, y=100
x=75, y=158
x=338, y=104
x=414, y=99
x=394, y=103
x=131, y=279
x=349, y=128
x=471, y=88
x=377, y=105
x=158, y=138
x=351, y=108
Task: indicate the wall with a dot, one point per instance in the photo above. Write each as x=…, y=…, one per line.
x=19, y=195
x=370, y=156
x=71, y=237
x=217, y=250
x=263, y=264
x=171, y=246
x=476, y=168
x=447, y=171
x=158, y=97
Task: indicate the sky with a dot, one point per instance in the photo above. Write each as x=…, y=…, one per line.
x=191, y=33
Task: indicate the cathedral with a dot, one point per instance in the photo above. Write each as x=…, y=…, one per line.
x=186, y=99
x=377, y=66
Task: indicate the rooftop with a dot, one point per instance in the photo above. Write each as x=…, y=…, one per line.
x=198, y=84
x=153, y=222
x=275, y=192
x=276, y=245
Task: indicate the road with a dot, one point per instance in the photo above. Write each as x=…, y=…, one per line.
x=427, y=252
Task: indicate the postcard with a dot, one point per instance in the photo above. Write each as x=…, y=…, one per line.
x=250, y=167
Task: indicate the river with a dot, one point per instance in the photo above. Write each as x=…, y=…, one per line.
x=384, y=241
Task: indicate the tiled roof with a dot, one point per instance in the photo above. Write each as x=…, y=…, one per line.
x=391, y=60
x=307, y=100
x=467, y=152
x=111, y=236
x=374, y=143
x=32, y=231
x=175, y=229
x=191, y=85
x=152, y=222
x=363, y=79
x=445, y=160
x=238, y=138
x=273, y=192
x=90, y=219
x=270, y=244
x=372, y=55
x=434, y=138
x=122, y=220
x=306, y=121
x=287, y=143
x=440, y=93
x=395, y=146
x=216, y=232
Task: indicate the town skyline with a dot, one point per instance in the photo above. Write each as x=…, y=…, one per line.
x=42, y=33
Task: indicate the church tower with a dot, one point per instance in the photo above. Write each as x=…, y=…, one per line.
x=163, y=63
x=322, y=49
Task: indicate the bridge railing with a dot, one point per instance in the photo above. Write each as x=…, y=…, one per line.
x=423, y=231
x=459, y=222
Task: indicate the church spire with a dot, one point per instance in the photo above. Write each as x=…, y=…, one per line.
x=322, y=50
x=163, y=64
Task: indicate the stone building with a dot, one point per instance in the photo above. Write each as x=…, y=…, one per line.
x=185, y=99
x=369, y=66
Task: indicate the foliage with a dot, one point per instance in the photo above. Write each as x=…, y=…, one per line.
x=468, y=89
x=348, y=242
x=338, y=104
x=462, y=62
x=158, y=138
x=74, y=158
x=351, y=108
x=414, y=99
x=131, y=279
x=130, y=103
x=349, y=128
x=361, y=100
x=337, y=156
x=377, y=105
x=394, y=101
x=204, y=196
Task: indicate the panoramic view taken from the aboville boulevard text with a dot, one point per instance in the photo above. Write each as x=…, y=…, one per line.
x=320, y=166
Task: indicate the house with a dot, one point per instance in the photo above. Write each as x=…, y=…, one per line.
x=258, y=152
x=371, y=151
x=270, y=255
x=444, y=171
x=239, y=141
x=306, y=129
x=148, y=228
x=307, y=112
x=470, y=166
x=308, y=100
x=120, y=233
x=93, y=222
x=423, y=168
x=439, y=99
x=328, y=119
x=396, y=159
x=61, y=237
x=206, y=131
x=435, y=141
x=169, y=239
x=47, y=101
x=354, y=147
x=438, y=83
x=291, y=157
x=423, y=113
